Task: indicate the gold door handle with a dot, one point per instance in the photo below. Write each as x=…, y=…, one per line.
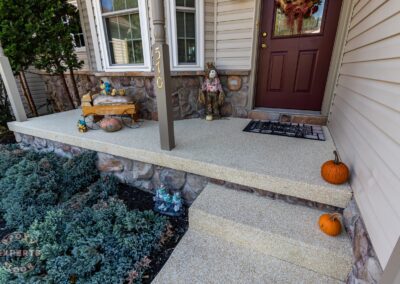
x=264, y=45
x=264, y=34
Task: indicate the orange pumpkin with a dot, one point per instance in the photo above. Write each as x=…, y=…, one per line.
x=335, y=171
x=330, y=224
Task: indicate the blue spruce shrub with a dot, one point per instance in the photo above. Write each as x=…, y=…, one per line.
x=84, y=233
x=9, y=156
x=34, y=183
x=79, y=172
x=28, y=191
x=98, y=244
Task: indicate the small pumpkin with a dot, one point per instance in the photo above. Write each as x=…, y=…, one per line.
x=330, y=224
x=335, y=171
x=111, y=124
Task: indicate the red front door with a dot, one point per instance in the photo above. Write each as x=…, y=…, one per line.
x=294, y=58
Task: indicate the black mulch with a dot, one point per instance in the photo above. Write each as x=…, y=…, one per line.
x=137, y=199
x=7, y=138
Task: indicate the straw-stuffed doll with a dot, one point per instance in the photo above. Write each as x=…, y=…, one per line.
x=212, y=95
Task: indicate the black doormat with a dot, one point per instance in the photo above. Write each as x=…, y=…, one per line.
x=297, y=130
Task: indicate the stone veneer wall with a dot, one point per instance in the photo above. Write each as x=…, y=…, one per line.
x=185, y=92
x=147, y=177
x=366, y=267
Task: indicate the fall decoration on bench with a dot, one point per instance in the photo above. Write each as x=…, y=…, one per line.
x=212, y=95
x=335, y=171
x=298, y=10
x=109, y=102
x=330, y=224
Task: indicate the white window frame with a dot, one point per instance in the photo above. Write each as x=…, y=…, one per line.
x=173, y=38
x=103, y=42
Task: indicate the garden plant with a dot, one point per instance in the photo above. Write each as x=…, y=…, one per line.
x=73, y=216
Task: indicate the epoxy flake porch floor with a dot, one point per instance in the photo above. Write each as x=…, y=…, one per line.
x=217, y=149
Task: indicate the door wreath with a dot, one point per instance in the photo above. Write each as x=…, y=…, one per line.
x=298, y=10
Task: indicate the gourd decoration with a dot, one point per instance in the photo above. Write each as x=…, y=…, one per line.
x=330, y=224
x=335, y=171
x=111, y=124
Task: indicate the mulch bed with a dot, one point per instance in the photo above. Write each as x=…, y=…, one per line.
x=138, y=199
x=7, y=138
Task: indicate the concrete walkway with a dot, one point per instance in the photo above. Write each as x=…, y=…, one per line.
x=217, y=149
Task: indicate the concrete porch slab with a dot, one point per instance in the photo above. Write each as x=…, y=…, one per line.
x=217, y=149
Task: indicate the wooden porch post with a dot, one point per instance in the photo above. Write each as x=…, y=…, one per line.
x=161, y=67
x=11, y=88
x=391, y=275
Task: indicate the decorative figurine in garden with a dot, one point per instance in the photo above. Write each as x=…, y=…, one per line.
x=212, y=95
x=167, y=204
x=177, y=202
x=82, y=127
x=105, y=88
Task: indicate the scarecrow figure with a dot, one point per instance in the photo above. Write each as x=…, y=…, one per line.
x=212, y=95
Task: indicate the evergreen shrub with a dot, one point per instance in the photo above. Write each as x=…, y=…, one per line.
x=84, y=232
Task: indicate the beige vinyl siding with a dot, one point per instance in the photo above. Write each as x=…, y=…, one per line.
x=38, y=91
x=87, y=54
x=234, y=34
x=209, y=36
x=365, y=118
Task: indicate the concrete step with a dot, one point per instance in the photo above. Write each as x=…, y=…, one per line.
x=200, y=258
x=272, y=227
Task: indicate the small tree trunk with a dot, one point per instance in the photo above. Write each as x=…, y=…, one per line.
x=76, y=91
x=64, y=82
x=27, y=93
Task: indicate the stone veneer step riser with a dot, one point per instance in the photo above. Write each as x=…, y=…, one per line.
x=324, y=262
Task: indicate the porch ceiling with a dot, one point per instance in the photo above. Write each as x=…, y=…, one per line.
x=217, y=149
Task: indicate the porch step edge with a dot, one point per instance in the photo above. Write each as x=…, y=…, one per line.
x=275, y=228
x=201, y=258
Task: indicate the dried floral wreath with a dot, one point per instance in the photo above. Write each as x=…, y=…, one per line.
x=298, y=10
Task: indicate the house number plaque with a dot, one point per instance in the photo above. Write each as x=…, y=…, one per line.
x=159, y=79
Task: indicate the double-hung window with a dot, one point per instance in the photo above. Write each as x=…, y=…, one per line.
x=186, y=29
x=124, y=34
